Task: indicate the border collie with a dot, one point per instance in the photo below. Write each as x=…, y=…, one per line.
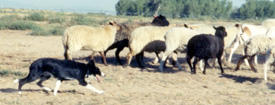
x=44, y=68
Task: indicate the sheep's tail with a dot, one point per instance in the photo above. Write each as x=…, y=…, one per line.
x=65, y=40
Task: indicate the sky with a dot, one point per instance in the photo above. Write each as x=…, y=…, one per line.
x=97, y=6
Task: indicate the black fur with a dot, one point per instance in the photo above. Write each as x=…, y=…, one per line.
x=44, y=68
x=206, y=46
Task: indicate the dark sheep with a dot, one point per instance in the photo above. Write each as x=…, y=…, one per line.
x=122, y=36
x=205, y=46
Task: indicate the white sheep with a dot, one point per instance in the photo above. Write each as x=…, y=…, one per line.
x=176, y=39
x=96, y=39
x=147, y=38
x=268, y=23
x=269, y=61
x=245, y=32
x=256, y=45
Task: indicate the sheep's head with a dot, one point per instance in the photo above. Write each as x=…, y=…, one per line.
x=220, y=31
x=113, y=23
x=160, y=21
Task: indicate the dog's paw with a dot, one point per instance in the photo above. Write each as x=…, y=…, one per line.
x=100, y=92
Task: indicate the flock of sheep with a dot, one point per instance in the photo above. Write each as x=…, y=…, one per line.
x=199, y=41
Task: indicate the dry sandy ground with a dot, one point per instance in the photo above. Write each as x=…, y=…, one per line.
x=129, y=85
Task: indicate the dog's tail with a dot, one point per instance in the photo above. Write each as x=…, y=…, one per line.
x=16, y=81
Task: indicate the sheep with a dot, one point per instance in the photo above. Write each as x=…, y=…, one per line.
x=96, y=39
x=256, y=45
x=122, y=36
x=269, y=61
x=146, y=38
x=246, y=31
x=205, y=46
x=176, y=39
x=268, y=23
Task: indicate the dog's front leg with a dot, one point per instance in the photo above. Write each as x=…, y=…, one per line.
x=88, y=86
x=57, y=86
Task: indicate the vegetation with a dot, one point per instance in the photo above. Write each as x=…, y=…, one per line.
x=197, y=8
x=5, y=73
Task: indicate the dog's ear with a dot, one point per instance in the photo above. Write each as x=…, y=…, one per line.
x=91, y=64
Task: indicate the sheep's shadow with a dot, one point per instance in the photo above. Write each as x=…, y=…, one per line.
x=240, y=79
x=271, y=86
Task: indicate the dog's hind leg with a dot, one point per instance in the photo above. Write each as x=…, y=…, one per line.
x=57, y=86
x=30, y=78
x=42, y=79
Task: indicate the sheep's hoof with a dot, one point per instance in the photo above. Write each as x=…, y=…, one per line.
x=124, y=66
x=255, y=71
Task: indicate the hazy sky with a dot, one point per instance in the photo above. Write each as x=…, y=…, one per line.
x=106, y=6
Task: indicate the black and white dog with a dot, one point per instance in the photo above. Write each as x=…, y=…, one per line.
x=44, y=68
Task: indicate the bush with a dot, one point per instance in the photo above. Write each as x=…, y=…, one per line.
x=39, y=31
x=36, y=17
x=9, y=73
x=10, y=18
x=21, y=25
x=57, y=30
x=81, y=20
x=59, y=20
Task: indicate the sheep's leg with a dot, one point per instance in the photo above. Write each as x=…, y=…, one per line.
x=157, y=58
x=205, y=64
x=119, y=49
x=220, y=63
x=251, y=65
x=93, y=56
x=138, y=57
x=103, y=57
x=265, y=70
x=175, y=58
x=67, y=54
x=163, y=59
x=256, y=60
x=109, y=48
x=239, y=63
x=201, y=65
x=232, y=51
x=129, y=58
x=188, y=59
x=194, y=64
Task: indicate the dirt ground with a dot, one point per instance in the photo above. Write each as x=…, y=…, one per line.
x=130, y=85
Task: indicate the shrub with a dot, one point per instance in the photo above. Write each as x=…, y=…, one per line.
x=21, y=25
x=39, y=31
x=81, y=20
x=36, y=17
x=58, y=30
x=13, y=73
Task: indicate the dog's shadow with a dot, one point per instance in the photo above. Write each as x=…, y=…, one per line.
x=10, y=90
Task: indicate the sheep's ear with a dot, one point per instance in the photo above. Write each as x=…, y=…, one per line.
x=237, y=25
x=185, y=25
x=111, y=23
x=214, y=27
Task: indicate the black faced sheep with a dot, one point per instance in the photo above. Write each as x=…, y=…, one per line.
x=96, y=39
x=205, y=46
x=122, y=36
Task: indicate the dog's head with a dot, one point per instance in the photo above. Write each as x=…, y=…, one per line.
x=94, y=71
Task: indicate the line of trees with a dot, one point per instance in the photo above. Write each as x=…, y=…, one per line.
x=197, y=8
